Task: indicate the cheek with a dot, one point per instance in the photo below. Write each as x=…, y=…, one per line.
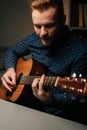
x=52, y=31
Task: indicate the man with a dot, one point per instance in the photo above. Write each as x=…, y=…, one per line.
x=63, y=55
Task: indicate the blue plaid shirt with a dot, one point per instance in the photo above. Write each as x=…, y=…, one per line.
x=66, y=57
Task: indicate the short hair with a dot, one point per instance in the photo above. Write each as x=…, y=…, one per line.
x=45, y=4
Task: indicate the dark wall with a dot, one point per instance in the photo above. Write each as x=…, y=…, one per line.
x=15, y=21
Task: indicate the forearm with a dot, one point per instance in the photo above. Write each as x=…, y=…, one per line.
x=13, y=53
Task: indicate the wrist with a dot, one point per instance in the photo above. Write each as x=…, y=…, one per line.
x=11, y=68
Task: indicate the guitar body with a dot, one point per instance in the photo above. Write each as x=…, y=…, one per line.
x=22, y=92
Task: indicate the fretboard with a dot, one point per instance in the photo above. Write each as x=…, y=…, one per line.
x=49, y=80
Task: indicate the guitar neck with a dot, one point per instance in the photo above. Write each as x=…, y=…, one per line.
x=69, y=84
x=49, y=80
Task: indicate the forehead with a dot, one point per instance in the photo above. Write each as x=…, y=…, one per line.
x=44, y=16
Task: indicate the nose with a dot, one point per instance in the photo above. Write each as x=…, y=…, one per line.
x=43, y=31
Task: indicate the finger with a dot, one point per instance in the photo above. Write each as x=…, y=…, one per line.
x=7, y=80
x=6, y=85
x=41, y=82
x=14, y=80
x=35, y=83
x=35, y=86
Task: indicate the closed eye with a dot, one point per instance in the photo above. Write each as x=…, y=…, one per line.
x=49, y=25
x=37, y=26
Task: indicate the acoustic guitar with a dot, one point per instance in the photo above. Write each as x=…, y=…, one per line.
x=28, y=70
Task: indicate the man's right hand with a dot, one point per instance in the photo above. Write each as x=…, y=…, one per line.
x=9, y=79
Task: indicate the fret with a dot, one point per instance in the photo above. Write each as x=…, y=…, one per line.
x=45, y=81
x=53, y=81
x=56, y=83
x=49, y=81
